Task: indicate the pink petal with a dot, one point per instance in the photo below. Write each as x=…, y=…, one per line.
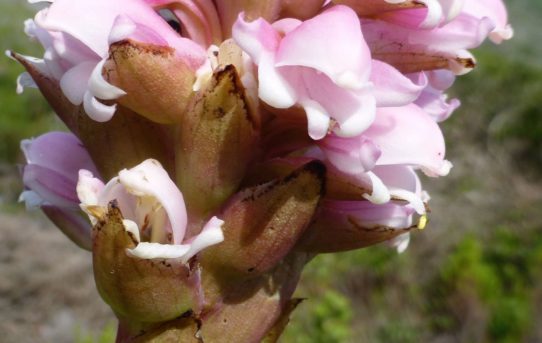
x=59, y=152
x=321, y=42
x=406, y=135
x=392, y=88
x=150, y=179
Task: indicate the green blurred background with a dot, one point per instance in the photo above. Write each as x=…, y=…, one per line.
x=474, y=275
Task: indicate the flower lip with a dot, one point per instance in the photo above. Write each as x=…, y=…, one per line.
x=149, y=201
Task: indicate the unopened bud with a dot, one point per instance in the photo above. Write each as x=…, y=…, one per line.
x=217, y=141
x=263, y=223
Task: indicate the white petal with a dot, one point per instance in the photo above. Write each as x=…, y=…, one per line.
x=25, y=80
x=434, y=14
x=149, y=251
x=401, y=242
x=122, y=28
x=414, y=200
x=132, y=228
x=317, y=118
x=74, y=82
x=100, y=88
x=210, y=235
x=31, y=199
x=380, y=193
x=96, y=110
x=274, y=89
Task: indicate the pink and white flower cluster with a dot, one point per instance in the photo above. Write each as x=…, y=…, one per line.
x=357, y=84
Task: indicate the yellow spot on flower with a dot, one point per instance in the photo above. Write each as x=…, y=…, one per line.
x=422, y=223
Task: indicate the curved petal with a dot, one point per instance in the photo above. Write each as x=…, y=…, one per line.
x=392, y=88
x=150, y=179
x=100, y=88
x=321, y=42
x=406, y=135
x=96, y=110
x=60, y=152
x=351, y=156
x=74, y=82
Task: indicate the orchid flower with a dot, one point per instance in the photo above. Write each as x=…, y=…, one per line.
x=411, y=48
x=433, y=100
x=153, y=208
x=302, y=124
x=303, y=63
x=76, y=41
x=50, y=178
x=402, y=136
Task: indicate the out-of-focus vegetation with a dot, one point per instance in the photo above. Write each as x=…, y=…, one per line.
x=473, y=276
x=20, y=116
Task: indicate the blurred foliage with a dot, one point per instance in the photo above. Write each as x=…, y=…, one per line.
x=22, y=116
x=107, y=335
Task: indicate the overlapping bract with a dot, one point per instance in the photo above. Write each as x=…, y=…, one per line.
x=301, y=124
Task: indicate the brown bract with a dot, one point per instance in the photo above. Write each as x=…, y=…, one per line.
x=141, y=70
x=122, y=142
x=139, y=290
x=216, y=142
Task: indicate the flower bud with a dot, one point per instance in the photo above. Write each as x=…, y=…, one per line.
x=216, y=143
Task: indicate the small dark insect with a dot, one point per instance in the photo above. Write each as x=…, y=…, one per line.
x=175, y=25
x=172, y=20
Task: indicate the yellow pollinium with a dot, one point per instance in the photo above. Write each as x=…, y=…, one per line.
x=422, y=223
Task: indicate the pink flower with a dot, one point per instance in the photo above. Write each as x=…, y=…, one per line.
x=496, y=12
x=76, y=37
x=197, y=19
x=399, y=137
x=412, y=47
x=270, y=10
x=50, y=179
x=433, y=100
x=304, y=63
x=153, y=208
